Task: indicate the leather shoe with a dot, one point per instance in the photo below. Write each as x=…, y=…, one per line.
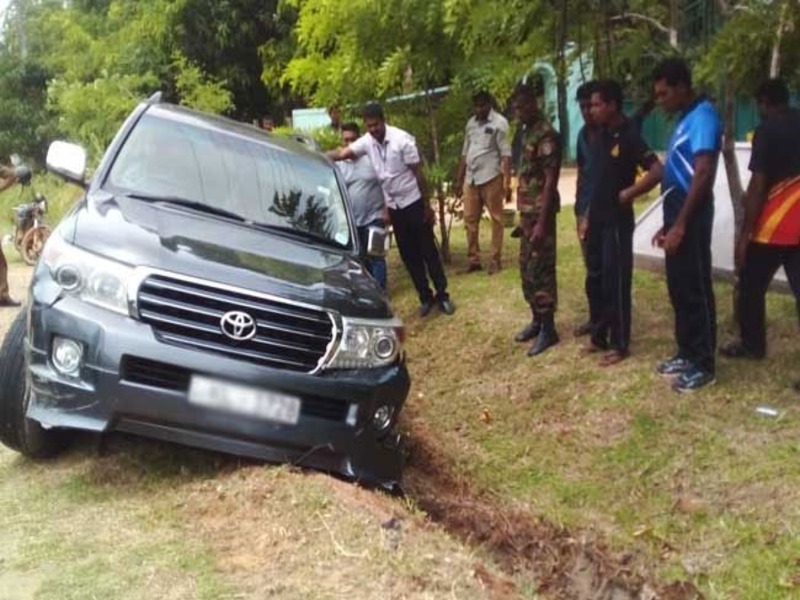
x=447, y=306
x=9, y=302
x=547, y=337
x=472, y=268
x=425, y=308
x=494, y=268
x=737, y=350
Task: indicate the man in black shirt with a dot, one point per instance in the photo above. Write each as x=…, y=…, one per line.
x=587, y=138
x=770, y=236
x=619, y=152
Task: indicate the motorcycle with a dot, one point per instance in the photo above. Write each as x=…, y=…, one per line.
x=30, y=229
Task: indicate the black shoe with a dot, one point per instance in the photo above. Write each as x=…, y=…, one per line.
x=796, y=386
x=738, y=350
x=547, y=337
x=9, y=302
x=447, y=306
x=530, y=331
x=425, y=308
x=516, y=232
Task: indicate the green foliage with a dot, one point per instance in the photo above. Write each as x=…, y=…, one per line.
x=199, y=91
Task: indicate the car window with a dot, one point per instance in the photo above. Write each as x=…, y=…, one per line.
x=265, y=184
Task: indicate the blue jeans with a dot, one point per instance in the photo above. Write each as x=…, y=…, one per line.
x=376, y=265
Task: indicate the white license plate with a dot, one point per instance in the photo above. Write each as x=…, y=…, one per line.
x=244, y=400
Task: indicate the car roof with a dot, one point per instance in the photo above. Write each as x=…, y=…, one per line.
x=225, y=126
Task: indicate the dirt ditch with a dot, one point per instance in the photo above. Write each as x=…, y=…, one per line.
x=563, y=565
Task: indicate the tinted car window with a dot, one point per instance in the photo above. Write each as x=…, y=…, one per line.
x=263, y=183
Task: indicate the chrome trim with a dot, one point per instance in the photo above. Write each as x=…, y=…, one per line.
x=140, y=274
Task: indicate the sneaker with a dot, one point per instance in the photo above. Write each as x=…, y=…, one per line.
x=693, y=379
x=673, y=366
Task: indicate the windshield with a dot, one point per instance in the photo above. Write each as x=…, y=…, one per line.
x=264, y=184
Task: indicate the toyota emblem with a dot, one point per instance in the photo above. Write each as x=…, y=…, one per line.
x=238, y=325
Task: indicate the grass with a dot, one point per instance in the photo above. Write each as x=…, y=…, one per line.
x=700, y=487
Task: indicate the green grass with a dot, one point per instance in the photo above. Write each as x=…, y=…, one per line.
x=701, y=487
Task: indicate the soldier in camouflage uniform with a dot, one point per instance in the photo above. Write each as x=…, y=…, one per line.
x=538, y=203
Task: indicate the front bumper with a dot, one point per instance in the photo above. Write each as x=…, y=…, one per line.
x=334, y=433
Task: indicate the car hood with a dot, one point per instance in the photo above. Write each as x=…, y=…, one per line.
x=182, y=241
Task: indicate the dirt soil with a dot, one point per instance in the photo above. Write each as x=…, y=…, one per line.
x=564, y=564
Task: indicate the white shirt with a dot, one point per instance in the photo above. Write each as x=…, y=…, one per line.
x=391, y=160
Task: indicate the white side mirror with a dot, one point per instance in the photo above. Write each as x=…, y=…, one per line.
x=67, y=160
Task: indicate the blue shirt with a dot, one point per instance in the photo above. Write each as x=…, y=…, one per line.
x=698, y=131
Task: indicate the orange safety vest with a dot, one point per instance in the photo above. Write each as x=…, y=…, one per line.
x=779, y=221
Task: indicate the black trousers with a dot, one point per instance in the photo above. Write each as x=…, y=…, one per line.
x=760, y=265
x=692, y=296
x=418, y=251
x=609, y=271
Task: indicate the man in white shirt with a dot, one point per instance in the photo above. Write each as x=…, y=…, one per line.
x=485, y=167
x=396, y=159
x=366, y=201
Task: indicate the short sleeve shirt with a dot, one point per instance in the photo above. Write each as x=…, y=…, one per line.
x=363, y=189
x=540, y=150
x=485, y=144
x=699, y=131
x=619, y=153
x=392, y=159
x=776, y=147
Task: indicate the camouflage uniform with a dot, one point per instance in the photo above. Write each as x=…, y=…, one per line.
x=541, y=149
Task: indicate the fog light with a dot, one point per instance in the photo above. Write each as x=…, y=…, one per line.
x=383, y=417
x=384, y=347
x=67, y=356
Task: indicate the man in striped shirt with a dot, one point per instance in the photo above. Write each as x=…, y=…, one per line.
x=770, y=237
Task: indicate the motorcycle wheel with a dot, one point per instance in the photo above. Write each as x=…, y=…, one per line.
x=18, y=235
x=33, y=242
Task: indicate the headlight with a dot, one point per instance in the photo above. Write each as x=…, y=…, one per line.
x=86, y=276
x=368, y=343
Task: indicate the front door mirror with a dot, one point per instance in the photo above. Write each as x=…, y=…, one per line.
x=68, y=161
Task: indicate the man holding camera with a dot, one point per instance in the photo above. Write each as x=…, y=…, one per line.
x=7, y=179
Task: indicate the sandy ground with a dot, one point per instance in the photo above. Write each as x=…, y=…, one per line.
x=19, y=276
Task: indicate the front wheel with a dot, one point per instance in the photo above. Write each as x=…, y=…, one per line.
x=33, y=243
x=17, y=431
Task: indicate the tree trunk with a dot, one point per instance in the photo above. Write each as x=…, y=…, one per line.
x=561, y=77
x=440, y=196
x=673, y=24
x=775, y=62
x=734, y=178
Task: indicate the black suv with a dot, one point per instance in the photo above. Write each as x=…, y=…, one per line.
x=207, y=290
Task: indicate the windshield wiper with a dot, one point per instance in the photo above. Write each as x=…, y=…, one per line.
x=301, y=233
x=191, y=204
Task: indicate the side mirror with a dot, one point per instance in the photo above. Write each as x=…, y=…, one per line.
x=68, y=161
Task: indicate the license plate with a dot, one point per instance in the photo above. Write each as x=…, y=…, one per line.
x=244, y=400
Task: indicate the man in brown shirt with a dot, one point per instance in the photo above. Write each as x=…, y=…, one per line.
x=484, y=177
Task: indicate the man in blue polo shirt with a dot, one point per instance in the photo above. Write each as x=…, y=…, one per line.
x=687, y=187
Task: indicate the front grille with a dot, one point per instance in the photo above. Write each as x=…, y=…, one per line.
x=189, y=314
x=156, y=374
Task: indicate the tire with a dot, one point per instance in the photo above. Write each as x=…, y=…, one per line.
x=33, y=243
x=17, y=431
